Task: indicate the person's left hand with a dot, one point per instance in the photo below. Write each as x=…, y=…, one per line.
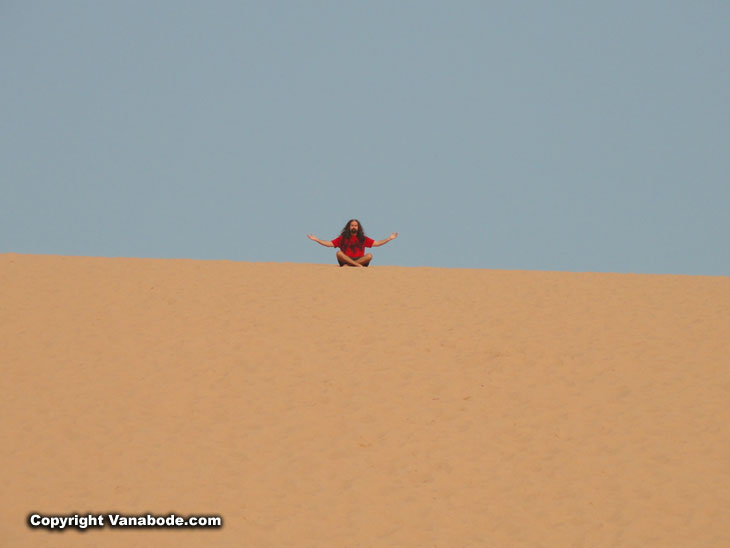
x=394, y=235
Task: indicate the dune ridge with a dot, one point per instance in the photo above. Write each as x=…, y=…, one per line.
x=311, y=405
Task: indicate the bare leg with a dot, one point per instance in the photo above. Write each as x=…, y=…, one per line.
x=345, y=260
x=365, y=259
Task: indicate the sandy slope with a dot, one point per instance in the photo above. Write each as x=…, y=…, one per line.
x=316, y=406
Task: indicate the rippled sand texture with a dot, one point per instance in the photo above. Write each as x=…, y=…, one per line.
x=312, y=405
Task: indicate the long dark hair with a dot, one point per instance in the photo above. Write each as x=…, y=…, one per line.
x=345, y=234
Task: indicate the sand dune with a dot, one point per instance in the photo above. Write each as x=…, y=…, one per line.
x=310, y=405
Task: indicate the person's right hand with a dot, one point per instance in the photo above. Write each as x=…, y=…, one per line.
x=312, y=237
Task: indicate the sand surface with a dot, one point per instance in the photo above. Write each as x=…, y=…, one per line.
x=310, y=405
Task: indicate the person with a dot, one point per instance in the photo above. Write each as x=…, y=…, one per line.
x=352, y=243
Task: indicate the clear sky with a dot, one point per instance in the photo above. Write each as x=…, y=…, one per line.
x=580, y=136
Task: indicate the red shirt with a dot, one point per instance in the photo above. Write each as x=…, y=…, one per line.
x=352, y=246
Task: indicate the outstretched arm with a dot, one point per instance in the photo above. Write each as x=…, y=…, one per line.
x=383, y=242
x=320, y=242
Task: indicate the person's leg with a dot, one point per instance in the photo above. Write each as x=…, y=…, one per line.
x=365, y=259
x=345, y=260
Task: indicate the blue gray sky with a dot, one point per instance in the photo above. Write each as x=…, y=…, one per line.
x=576, y=136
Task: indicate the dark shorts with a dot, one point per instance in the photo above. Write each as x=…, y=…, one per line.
x=342, y=263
